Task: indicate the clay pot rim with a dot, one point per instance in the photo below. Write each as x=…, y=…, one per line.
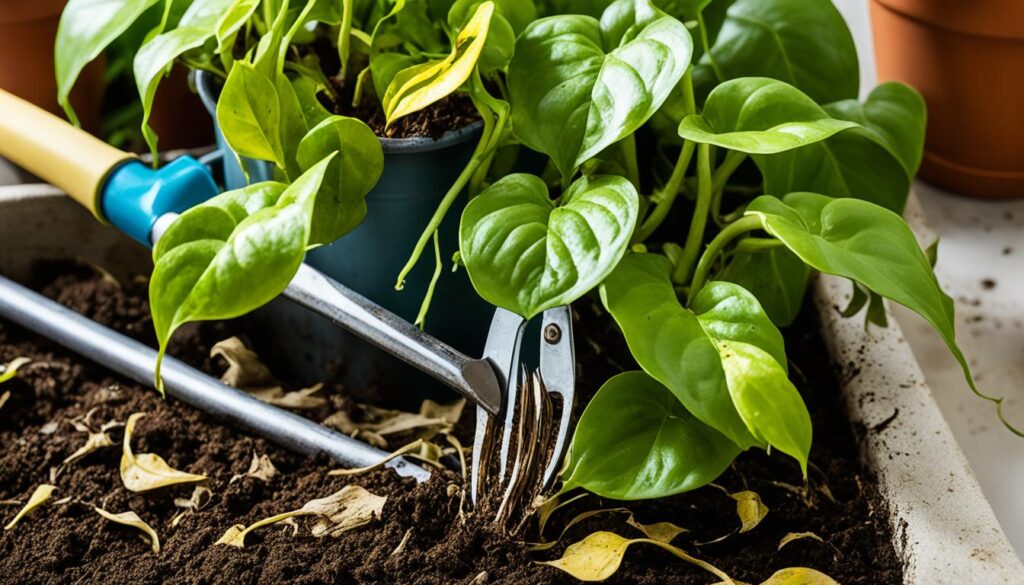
x=14, y=12
x=991, y=19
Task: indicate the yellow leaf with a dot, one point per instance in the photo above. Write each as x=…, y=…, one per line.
x=417, y=87
x=132, y=519
x=38, y=498
x=576, y=520
x=148, y=471
x=8, y=371
x=750, y=509
x=598, y=556
x=799, y=576
x=660, y=531
x=93, y=442
x=790, y=537
x=348, y=508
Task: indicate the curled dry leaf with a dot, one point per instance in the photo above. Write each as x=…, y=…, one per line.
x=598, y=556
x=148, y=471
x=95, y=441
x=246, y=372
x=432, y=417
x=201, y=496
x=413, y=447
x=132, y=519
x=38, y=498
x=10, y=369
x=261, y=468
x=750, y=509
x=790, y=537
x=350, y=507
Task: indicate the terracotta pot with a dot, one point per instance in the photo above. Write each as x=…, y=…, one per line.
x=967, y=59
x=176, y=111
x=27, y=32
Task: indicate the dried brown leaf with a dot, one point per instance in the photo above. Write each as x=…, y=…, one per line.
x=304, y=399
x=245, y=370
x=94, y=442
x=261, y=468
x=414, y=446
x=132, y=519
x=148, y=471
x=201, y=496
x=38, y=498
x=750, y=509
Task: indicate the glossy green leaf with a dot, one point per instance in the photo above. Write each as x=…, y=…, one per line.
x=341, y=204
x=767, y=401
x=249, y=114
x=415, y=88
x=777, y=278
x=232, y=254
x=803, y=42
x=306, y=91
x=510, y=18
x=728, y=312
x=526, y=254
x=758, y=115
x=86, y=28
x=635, y=441
x=578, y=85
x=231, y=22
x=874, y=162
x=865, y=243
x=293, y=124
x=670, y=342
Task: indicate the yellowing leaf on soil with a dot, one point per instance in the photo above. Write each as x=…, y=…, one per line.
x=132, y=519
x=38, y=498
x=261, y=468
x=790, y=537
x=304, y=399
x=576, y=520
x=549, y=506
x=350, y=507
x=799, y=576
x=200, y=498
x=661, y=531
x=750, y=509
x=416, y=87
x=598, y=556
x=413, y=447
x=93, y=442
x=148, y=471
x=10, y=370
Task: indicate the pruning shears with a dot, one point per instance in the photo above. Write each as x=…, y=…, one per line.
x=142, y=202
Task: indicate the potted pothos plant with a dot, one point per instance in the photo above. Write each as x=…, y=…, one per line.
x=703, y=159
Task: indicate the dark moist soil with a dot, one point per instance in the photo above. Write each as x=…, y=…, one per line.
x=70, y=543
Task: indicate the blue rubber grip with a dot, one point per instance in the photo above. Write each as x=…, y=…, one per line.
x=134, y=195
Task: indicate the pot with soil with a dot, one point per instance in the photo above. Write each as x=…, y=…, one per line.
x=966, y=60
x=418, y=168
x=892, y=502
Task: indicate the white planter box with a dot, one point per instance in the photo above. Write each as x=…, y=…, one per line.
x=944, y=529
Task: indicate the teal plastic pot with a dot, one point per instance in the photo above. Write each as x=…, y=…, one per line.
x=417, y=174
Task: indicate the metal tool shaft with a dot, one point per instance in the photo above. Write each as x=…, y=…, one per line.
x=137, y=361
x=473, y=378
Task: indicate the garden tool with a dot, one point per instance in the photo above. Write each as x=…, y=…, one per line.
x=143, y=202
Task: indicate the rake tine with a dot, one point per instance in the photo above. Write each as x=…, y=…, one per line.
x=502, y=349
x=558, y=373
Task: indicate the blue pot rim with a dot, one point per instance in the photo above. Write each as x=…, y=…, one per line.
x=414, y=145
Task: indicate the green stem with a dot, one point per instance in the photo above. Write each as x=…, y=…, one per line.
x=730, y=232
x=733, y=159
x=345, y=37
x=747, y=245
x=700, y=216
x=666, y=196
x=707, y=47
x=421, y=318
x=495, y=115
x=628, y=146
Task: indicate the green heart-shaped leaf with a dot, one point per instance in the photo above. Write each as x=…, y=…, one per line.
x=578, y=85
x=874, y=162
x=803, y=42
x=341, y=204
x=777, y=277
x=525, y=254
x=249, y=114
x=758, y=115
x=636, y=441
x=231, y=254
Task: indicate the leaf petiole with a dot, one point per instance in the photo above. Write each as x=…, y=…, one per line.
x=700, y=216
x=733, y=159
x=729, y=233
